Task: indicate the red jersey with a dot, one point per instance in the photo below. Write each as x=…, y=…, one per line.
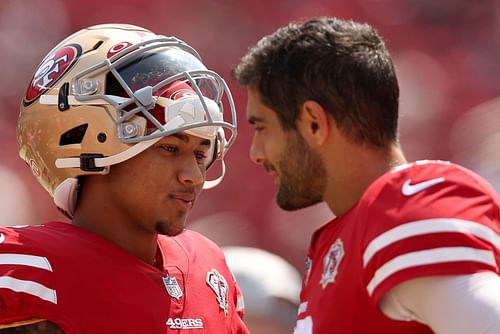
x=422, y=219
x=86, y=284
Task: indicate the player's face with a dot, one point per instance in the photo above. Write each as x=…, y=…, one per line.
x=298, y=171
x=156, y=189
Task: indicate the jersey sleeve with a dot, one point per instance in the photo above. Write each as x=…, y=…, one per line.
x=26, y=281
x=429, y=221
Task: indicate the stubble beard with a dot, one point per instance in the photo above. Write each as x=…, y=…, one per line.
x=302, y=175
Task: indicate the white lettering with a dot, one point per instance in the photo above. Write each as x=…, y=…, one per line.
x=184, y=323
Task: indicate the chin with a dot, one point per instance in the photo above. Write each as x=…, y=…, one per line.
x=291, y=204
x=169, y=229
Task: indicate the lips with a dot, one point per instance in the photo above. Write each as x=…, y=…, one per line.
x=184, y=201
x=186, y=197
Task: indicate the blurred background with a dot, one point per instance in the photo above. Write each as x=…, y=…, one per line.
x=446, y=53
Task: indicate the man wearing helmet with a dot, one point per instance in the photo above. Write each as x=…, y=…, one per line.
x=120, y=125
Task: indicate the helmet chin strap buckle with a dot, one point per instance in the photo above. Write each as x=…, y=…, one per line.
x=87, y=162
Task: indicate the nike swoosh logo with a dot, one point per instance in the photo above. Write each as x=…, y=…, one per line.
x=409, y=189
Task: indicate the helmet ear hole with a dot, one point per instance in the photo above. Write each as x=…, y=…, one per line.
x=73, y=136
x=101, y=137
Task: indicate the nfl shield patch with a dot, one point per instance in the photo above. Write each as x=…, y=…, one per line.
x=331, y=263
x=173, y=288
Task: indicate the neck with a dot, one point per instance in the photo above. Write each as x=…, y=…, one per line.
x=352, y=173
x=97, y=215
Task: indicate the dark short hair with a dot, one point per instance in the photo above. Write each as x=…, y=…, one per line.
x=342, y=65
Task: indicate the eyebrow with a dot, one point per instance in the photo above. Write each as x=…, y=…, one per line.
x=185, y=138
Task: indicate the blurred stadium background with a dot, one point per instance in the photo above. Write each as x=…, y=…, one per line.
x=446, y=52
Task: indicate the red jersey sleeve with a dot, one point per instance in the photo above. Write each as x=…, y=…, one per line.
x=428, y=219
x=26, y=280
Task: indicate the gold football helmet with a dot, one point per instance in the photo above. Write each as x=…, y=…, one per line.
x=107, y=93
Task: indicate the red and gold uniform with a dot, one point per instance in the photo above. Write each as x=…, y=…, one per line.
x=428, y=218
x=85, y=284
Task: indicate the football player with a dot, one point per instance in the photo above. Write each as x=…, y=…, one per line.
x=414, y=247
x=120, y=125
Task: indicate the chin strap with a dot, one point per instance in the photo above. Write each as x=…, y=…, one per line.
x=108, y=161
x=120, y=157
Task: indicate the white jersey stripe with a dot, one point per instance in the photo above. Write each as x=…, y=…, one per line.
x=25, y=260
x=30, y=287
x=430, y=256
x=427, y=226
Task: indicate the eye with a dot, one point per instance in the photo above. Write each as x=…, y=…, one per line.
x=258, y=128
x=201, y=157
x=170, y=148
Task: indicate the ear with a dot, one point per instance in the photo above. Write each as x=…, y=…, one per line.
x=314, y=123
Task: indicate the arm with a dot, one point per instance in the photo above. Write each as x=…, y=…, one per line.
x=448, y=304
x=34, y=326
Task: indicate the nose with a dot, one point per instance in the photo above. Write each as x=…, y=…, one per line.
x=191, y=172
x=256, y=152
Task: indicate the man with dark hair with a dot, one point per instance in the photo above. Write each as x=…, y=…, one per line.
x=414, y=247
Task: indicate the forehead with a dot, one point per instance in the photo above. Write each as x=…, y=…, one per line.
x=257, y=111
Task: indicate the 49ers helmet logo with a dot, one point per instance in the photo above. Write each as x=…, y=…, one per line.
x=51, y=70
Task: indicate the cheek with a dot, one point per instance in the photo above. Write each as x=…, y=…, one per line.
x=275, y=147
x=148, y=179
x=157, y=174
x=265, y=140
